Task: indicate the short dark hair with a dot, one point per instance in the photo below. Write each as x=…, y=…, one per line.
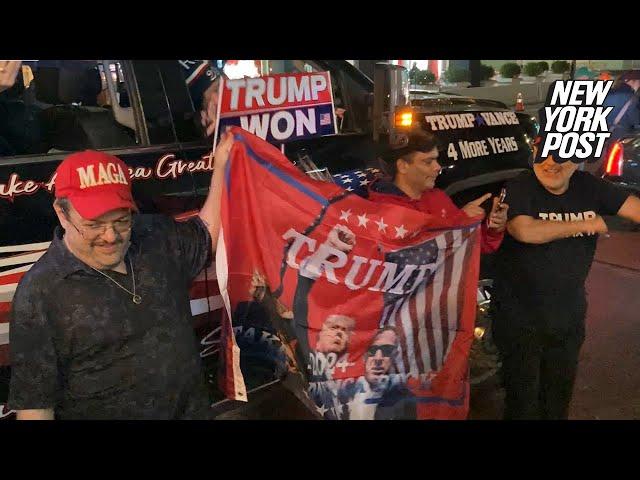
x=64, y=204
x=630, y=75
x=624, y=77
x=421, y=141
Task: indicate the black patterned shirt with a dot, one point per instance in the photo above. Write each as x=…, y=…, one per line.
x=81, y=346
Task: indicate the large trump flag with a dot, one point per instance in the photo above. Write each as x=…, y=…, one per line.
x=371, y=306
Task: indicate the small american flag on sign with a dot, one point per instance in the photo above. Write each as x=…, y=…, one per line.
x=357, y=181
x=325, y=119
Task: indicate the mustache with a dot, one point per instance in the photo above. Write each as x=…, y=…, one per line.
x=102, y=243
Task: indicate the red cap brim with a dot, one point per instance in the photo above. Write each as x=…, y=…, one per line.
x=93, y=206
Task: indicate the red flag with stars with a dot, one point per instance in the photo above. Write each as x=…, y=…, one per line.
x=372, y=306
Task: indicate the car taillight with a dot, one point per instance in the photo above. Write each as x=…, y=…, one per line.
x=614, y=160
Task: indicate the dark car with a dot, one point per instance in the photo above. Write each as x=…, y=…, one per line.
x=621, y=163
x=482, y=142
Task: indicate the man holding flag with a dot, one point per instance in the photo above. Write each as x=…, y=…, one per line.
x=414, y=169
x=383, y=297
x=101, y=324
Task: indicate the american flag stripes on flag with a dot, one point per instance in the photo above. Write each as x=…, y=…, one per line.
x=429, y=316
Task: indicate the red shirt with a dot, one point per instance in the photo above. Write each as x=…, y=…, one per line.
x=434, y=202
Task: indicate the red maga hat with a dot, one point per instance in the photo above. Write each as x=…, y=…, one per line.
x=95, y=183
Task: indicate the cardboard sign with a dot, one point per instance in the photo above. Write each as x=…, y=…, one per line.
x=278, y=108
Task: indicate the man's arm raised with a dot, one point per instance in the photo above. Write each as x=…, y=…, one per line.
x=210, y=212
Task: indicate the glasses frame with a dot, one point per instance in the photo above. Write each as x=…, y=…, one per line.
x=103, y=228
x=375, y=348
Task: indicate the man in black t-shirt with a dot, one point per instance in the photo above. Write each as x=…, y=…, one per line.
x=539, y=299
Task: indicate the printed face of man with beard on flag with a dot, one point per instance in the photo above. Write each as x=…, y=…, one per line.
x=378, y=359
x=378, y=395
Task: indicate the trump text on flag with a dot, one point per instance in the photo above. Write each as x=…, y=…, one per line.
x=279, y=108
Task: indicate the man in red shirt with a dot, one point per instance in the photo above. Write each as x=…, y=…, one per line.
x=414, y=170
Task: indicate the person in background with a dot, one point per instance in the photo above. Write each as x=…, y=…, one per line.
x=623, y=97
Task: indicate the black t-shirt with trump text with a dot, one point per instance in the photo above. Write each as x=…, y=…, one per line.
x=553, y=272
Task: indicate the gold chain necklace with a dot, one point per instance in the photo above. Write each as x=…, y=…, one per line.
x=137, y=299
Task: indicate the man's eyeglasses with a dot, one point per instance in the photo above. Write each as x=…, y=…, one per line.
x=387, y=350
x=120, y=226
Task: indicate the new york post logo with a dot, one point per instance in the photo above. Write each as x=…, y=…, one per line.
x=574, y=121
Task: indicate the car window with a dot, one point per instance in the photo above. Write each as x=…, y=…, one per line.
x=63, y=105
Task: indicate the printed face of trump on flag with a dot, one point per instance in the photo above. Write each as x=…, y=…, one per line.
x=334, y=334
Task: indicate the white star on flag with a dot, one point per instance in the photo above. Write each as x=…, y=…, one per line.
x=365, y=182
x=349, y=189
x=347, y=180
x=381, y=225
x=400, y=232
x=362, y=174
x=362, y=220
x=322, y=410
x=345, y=215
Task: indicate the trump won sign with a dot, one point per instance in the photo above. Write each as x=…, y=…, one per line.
x=278, y=108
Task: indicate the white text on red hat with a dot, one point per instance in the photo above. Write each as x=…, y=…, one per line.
x=107, y=174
